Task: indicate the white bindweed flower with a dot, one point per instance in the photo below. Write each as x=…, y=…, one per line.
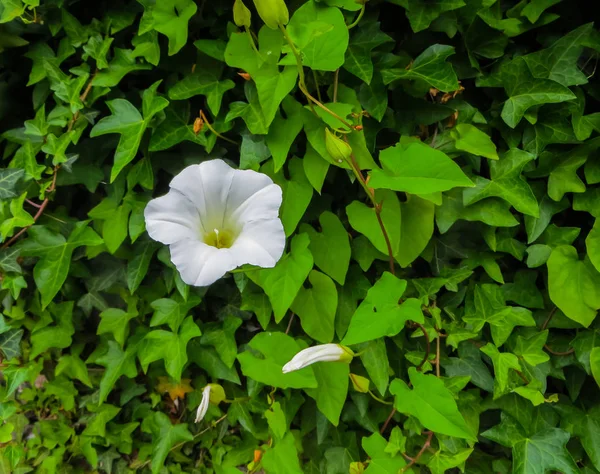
x=203, y=407
x=321, y=353
x=216, y=218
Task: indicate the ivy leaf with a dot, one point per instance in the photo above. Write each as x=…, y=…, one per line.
x=573, y=285
x=358, y=56
x=418, y=169
x=10, y=340
x=57, y=335
x=431, y=402
x=169, y=17
x=171, y=311
x=331, y=247
x=421, y=13
x=8, y=182
x=430, y=66
x=251, y=112
x=586, y=426
x=316, y=307
x=51, y=270
x=164, y=437
x=363, y=219
x=506, y=183
x=380, y=461
x=20, y=217
x=116, y=322
x=169, y=346
x=201, y=83
x=321, y=35
x=175, y=128
x=129, y=123
x=441, y=462
x=503, y=362
x=283, y=282
x=492, y=211
x=137, y=267
x=543, y=452
x=469, y=138
x=118, y=362
x=122, y=64
x=276, y=349
x=524, y=92
x=531, y=348
x=382, y=301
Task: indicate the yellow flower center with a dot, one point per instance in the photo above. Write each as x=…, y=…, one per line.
x=221, y=239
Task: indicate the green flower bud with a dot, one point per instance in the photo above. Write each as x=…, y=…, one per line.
x=337, y=148
x=360, y=384
x=241, y=14
x=272, y=12
x=217, y=393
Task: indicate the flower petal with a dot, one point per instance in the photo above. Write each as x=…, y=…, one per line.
x=207, y=185
x=261, y=243
x=200, y=264
x=246, y=183
x=264, y=204
x=172, y=217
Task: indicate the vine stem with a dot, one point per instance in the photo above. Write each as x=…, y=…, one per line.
x=427, y=347
x=83, y=97
x=546, y=346
x=387, y=421
x=414, y=460
x=302, y=81
x=210, y=127
x=377, y=206
x=358, y=18
x=38, y=214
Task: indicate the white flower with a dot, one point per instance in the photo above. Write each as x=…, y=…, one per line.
x=216, y=218
x=321, y=353
x=203, y=407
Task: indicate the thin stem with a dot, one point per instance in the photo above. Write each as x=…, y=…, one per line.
x=437, y=356
x=386, y=238
x=31, y=203
x=38, y=214
x=254, y=47
x=82, y=98
x=427, y=347
x=358, y=18
x=336, y=78
x=302, y=81
x=317, y=85
x=557, y=353
x=375, y=397
x=290, y=323
x=420, y=453
x=210, y=127
x=548, y=319
x=387, y=421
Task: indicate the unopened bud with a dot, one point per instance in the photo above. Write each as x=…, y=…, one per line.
x=337, y=148
x=357, y=468
x=360, y=384
x=241, y=14
x=272, y=12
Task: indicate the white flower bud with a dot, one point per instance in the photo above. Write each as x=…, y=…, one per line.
x=320, y=353
x=203, y=407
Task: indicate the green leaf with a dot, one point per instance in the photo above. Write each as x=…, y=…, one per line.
x=321, y=35
x=418, y=169
x=430, y=66
x=469, y=138
x=51, y=270
x=137, y=267
x=251, y=112
x=276, y=349
x=116, y=322
x=524, y=92
x=164, y=437
x=492, y=211
x=171, y=311
x=117, y=363
x=316, y=307
x=8, y=182
x=297, y=194
x=592, y=243
x=169, y=17
x=595, y=364
x=330, y=247
x=417, y=219
x=276, y=420
x=421, y=13
x=10, y=340
x=175, y=128
x=363, y=219
x=506, y=183
x=543, y=452
x=431, y=402
x=169, y=346
x=531, y=348
x=122, y=64
x=201, y=83
x=503, y=362
x=315, y=168
x=283, y=132
x=283, y=457
x=380, y=461
x=128, y=122
x=374, y=357
x=20, y=218
x=573, y=285
x=441, y=462
x=332, y=381
x=56, y=335
x=358, y=55
x=382, y=301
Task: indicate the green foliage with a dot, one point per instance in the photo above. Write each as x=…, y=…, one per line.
x=439, y=163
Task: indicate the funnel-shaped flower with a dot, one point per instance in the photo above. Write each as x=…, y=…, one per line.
x=320, y=353
x=203, y=407
x=216, y=218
